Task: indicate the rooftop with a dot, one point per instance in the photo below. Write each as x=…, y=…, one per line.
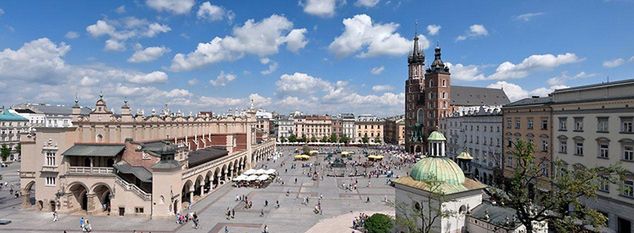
x=476, y=96
x=530, y=101
x=108, y=150
x=201, y=156
x=7, y=115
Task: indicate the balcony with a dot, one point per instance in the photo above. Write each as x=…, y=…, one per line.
x=47, y=168
x=91, y=170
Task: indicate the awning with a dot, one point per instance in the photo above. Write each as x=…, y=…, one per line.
x=270, y=171
x=250, y=172
x=313, y=152
x=94, y=150
x=260, y=171
x=251, y=178
x=240, y=178
x=263, y=177
x=139, y=172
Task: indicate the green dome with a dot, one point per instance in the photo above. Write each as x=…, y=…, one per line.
x=436, y=136
x=442, y=169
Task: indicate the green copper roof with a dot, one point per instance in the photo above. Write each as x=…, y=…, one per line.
x=6, y=115
x=441, y=169
x=436, y=136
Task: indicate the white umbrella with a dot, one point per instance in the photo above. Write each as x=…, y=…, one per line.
x=251, y=178
x=263, y=177
x=250, y=172
x=240, y=178
x=260, y=171
x=270, y=171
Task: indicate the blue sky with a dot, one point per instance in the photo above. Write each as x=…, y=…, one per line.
x=324, y=56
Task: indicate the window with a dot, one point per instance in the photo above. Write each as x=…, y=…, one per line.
x=50, y=181
x=530, y=123
x=578, y=123
x=563, y=146
x=626, y=124
x=509, y=160
x=138, y=210
x=562, y=123
x=544, y=123
x=628, y=188
x=50, y=158
x=544, y=145
x=604, y=184
x=602, y=124
x=509, y=122
x=510, y=143
x=517, y=123
x=628, y=152
x=603, y=150
x=544, y=169
x=579, y=148
x=444, y=83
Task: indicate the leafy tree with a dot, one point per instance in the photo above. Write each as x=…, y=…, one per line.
x=365, y=138
x=5, y=152
x=292, y=138
x=313, y=139
x=563, y=205
x=379, y=223
x=306, y=149
x=377, y=139
x=304, y=139
x=282, y=139
x=18, y=149
x=428, y=212
x=333, y=137
x=324, y=138
x=344, y=139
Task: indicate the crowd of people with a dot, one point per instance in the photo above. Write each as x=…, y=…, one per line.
x=359, y=221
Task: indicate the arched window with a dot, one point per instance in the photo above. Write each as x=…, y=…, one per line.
x=420, y=116
x=444, y=95
x=99, y=138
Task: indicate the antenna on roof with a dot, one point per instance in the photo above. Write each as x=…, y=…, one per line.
x=416, y=28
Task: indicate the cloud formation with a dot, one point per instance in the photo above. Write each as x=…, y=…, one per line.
x=177, y=7
x=377, y=70
x=433, y=29
x=148, y=54
x=119, y=31
x=369, y=39
x=366, y=3
x=261, y=38
x=321, y=8
x=475, y=30
x=528, y=16
x=222, y=79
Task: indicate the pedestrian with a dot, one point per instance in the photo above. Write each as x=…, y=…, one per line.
x=266, y=229
x=195, y=220
x=226, y=229
x=55, y=216
x=266, y=203
x=368, y=200
x=233, y=213
x=81, y=222
x=262, y=213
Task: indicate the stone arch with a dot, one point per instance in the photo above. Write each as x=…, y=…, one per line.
x=103, y=192
x=185, y=196
x=216, y=179
x=208, y=178
x=230, y=170
x=28, y=194
x=236, y=167
x=244, y=165
x=223, y=172
x=198, y=186
x=79, y=197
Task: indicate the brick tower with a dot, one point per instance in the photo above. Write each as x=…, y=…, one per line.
x=415, y=100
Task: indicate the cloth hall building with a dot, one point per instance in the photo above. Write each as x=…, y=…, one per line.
x=107, y=163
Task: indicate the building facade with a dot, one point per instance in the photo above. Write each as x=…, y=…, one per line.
x=394, y=131
x=369, y=127
x=478, y=131
x=313, y=127
x=347, y=125
x=108, y=163
x=285, y=128
x=11, y=126
x=594, y=129
x=529, y=120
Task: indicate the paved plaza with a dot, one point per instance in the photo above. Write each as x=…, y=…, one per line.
x=339, y=205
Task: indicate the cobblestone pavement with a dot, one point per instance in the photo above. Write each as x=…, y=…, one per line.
x=292, y=216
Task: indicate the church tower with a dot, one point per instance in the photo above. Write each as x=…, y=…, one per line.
x=414, y=100
x=437, y=93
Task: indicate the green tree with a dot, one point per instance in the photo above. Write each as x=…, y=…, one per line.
x=324, y=138
x=304, y=139
x=282, y=139
x=333, y=137
x=313, y=139
x=379, y=223
x=292, y=138
x=365, y=138
x=18, y=149
x=344, y=139
x=306, y=149
x=429, y=212
x=377, y=139
x=563, y=205
x=5, y=152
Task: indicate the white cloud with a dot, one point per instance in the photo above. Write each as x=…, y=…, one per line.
x=88, y=81
x=114, y=45
x=210, y=12
x=192, y=82
x=382, y=88
x=613, y=63
x=564, y=77
x=175, y=93
x=272, y=68
x=294, y=102
x=261, y=38
x=528, y=16
x=120, y=9
x=260, y=101
x=468, y=72
x=376, y=39
x=71, y=35
x=377, y=70
x=516, y=92
x=148, y=54
x=475, y=30
x=508, y=70
x=1, y=12
x=154, y=77
x=366, y=3
x=321, y=8
x=300, y=83
x=222, y=79
x=296, y=40
x=177, y=7
x=433, y=29
x=34, y=60
x=119, y=31
x=221, y=102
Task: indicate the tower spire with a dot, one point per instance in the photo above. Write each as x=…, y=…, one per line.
x=417, y=56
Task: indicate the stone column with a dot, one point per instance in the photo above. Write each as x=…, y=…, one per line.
x=90, y=203
x=26, y=196
x=191, y=196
